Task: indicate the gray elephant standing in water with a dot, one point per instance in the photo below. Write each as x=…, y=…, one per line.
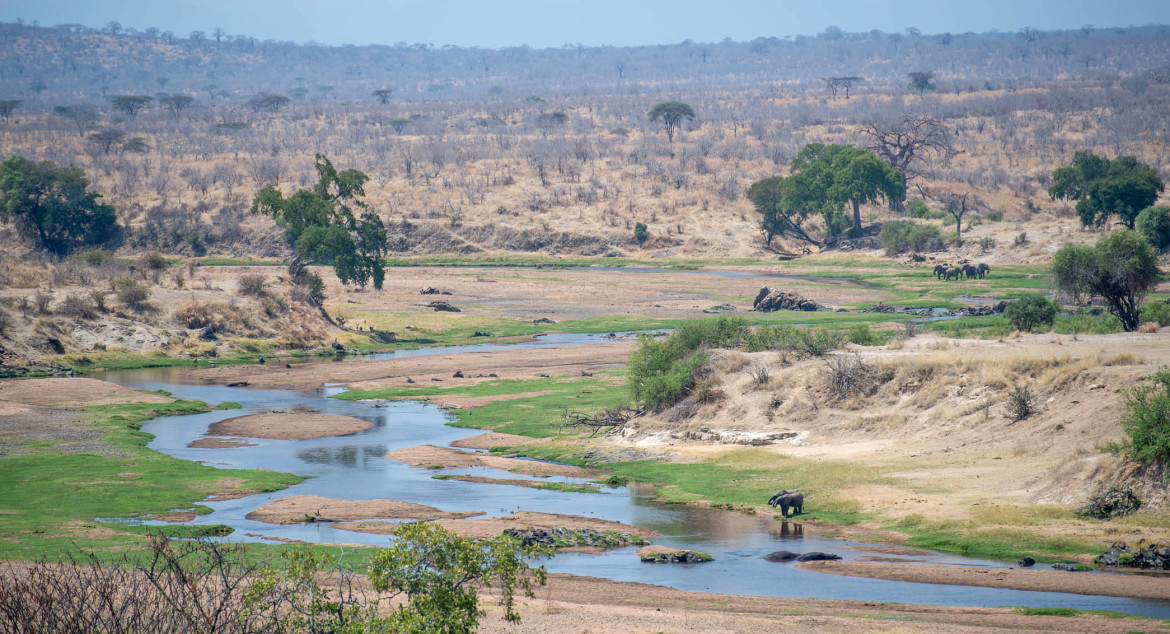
x=788, y=499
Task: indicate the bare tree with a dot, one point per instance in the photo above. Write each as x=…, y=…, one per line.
x=956, y=206
x=921, y=80
x=836, y=83
x=382, y=95
x=907, y=144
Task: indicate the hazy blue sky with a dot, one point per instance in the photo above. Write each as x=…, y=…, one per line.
x=541, y=23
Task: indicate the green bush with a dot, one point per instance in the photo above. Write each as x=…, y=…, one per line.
x=918, y=209
x=1147, y=419
x=641, y=233
x=899, y=236
x=863, y=336
x=1088, y=321
x=1154, y=224
x=93, y=257
x=133, y=295
x=154, y=261
x=1030, y=312
x=987, y=243
x=1157, y=312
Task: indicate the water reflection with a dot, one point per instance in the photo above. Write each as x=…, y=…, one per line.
x=349, y=456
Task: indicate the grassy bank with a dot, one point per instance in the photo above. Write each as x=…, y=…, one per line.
x=55, y=491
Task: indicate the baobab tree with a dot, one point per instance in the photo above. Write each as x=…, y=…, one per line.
x=906, y=145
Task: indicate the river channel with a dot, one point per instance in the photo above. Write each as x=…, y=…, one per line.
x=354, y=467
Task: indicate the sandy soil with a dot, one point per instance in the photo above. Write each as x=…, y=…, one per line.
x=587, y=604
x=428, y=455
x=491, y=439
x=216, y=442
x=288, y=426
x=488, y=527
x=1038, y=580
x=73, y=392
x=294, y=510
x=535, y=484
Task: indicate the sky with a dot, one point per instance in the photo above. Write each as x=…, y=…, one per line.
x=552, y=23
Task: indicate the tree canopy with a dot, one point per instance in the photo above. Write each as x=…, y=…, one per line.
x=671, y=113
x=826, y=177
x=323, y=226
x=1102, y=188
x=1120, y=269
x=1154, y=224
x=52, y=206
x=131, y=105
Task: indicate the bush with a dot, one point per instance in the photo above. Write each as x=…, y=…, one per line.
x=1147, y=419
x=641, y=233
x=1156, y=312
x=5, y=321
x=93, y=257
x=253, y=285
x=1021, y=403
x=153, y=262
x=77, y=306
x=1154, y=224
x=918, y=209
x=899, y=236
x=195, y=314
x=863, y=336
x=987, y=243
x=1027, y=313
x=133, y=295
x=310, y=289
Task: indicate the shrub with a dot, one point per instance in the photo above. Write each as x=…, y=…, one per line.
x=1027, y=313
x=133, y=295
x=77, y=306
x=310, y=289
x=1154, y=224
x=1157, y=312
x=41, y=302
x=1147, y=418
x=253, y=285
x=93, y=257
x=154, y=261
x=899, y=236
x=918, y=209
x=194, y=314
x=99, y=300
x=5, y=321
x=863, y=336
x=987, y=243
x=641, y=233
x=1021, y=403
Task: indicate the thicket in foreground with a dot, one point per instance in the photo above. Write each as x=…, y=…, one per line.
x=202, y=586
x=1147, y=419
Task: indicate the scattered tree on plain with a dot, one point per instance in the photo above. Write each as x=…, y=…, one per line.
x=52, y=206
x=322, y=225
x=671, y=113
x=176, y=103
x=130, y=105
x=1121, y=187
x=1122, y=268
x=8, y=108
x=827, y=177
x=921, y=81
x=382, y=95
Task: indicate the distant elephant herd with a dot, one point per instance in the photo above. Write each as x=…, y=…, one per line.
x=959, y=271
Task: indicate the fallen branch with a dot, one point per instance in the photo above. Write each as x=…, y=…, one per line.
x=606, y=418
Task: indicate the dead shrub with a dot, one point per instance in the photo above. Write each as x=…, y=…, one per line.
x=761, y=373
x=194, y=314
x=847, y=376
x=99, y=300
x=133, y=295
x=153, y=261
x=253, y=285
x=77, y=306
x=41, y=303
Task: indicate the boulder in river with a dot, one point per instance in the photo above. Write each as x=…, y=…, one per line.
x=770, y=299
x=1026, y=562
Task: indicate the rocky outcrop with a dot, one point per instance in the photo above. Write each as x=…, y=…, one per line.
x=965, y=311
x=770, y=299
x=572, y=537
x=1143, y=555
x=442, y=306
x=668, y=555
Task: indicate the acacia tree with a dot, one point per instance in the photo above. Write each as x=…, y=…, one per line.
x=1120, y=269
x=908, y=144
x=1104, y=188
x=52, y=206
x=671, y=113
x=921, y=81
x=130, y=105
x=777, y=218
x=322, y=226
x=82, y=116
x=382, y=95
x=176, y=103
x=827, y=177
x=8, y=107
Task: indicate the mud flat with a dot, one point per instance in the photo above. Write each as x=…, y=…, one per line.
x=73, y=392
x=1039, y=580
x=284, y=426
x=432, y=456
x=489, y=527
x=492, y=439
x=298, y=509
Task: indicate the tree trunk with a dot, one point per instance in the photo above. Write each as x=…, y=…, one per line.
x=856, y=218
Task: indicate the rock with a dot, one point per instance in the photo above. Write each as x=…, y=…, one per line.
x=431, y=290
x=480, y=333
x=722, y=308
x=207, y=333
x=443, y=306
x=782, y=555
x=769, y=299
x=818, y=556
x=1026, y=562
x=436, y=379
x=409, y=380
x=668, y=555
x=458, y=374
x=1143, y=555
x=238, y=384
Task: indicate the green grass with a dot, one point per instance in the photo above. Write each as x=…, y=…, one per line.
x=1109, y=614
x=52, y=495
x=563, y=487
x=973, y=539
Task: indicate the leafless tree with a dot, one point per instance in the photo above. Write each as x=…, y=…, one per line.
x=906, y=145
x=956, y=206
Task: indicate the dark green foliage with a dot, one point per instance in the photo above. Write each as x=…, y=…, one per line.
x=153, y=261
x=827, y=177
x=52, y=206
x=1021, y=403
x=1104, y=188
x=1154, y=224
x=918, y=209
x=671, y=113
x=863, y=336
x=1156, y=312
x=900, y=236
x=8, y=107
x=778, y=219
x=1121, y=269
x=321, y=225
x=1028, y=313
x=130, y=105
x=1147, y=418
x=641, y=233
x=268, y=101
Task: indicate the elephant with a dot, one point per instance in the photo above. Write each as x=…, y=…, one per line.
x=952, y=274
x=788, y=499
x=818, y=556
x=939, y=270
x=970, y=271
x=984, y=270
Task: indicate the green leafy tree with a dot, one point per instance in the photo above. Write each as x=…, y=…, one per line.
x=323, y=225
x=130, y=105
x=398, y=123
x=1029, y=313
x=1154, y=224
x=641, y=233
x=827, y=177
x=1103, y=188
x=777, y=217
x=671, y=113
x=1122, y=268
x=1147, y=419
x=268, y=101
x=52, y=206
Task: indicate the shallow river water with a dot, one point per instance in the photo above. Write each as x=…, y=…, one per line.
x=354, y=467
